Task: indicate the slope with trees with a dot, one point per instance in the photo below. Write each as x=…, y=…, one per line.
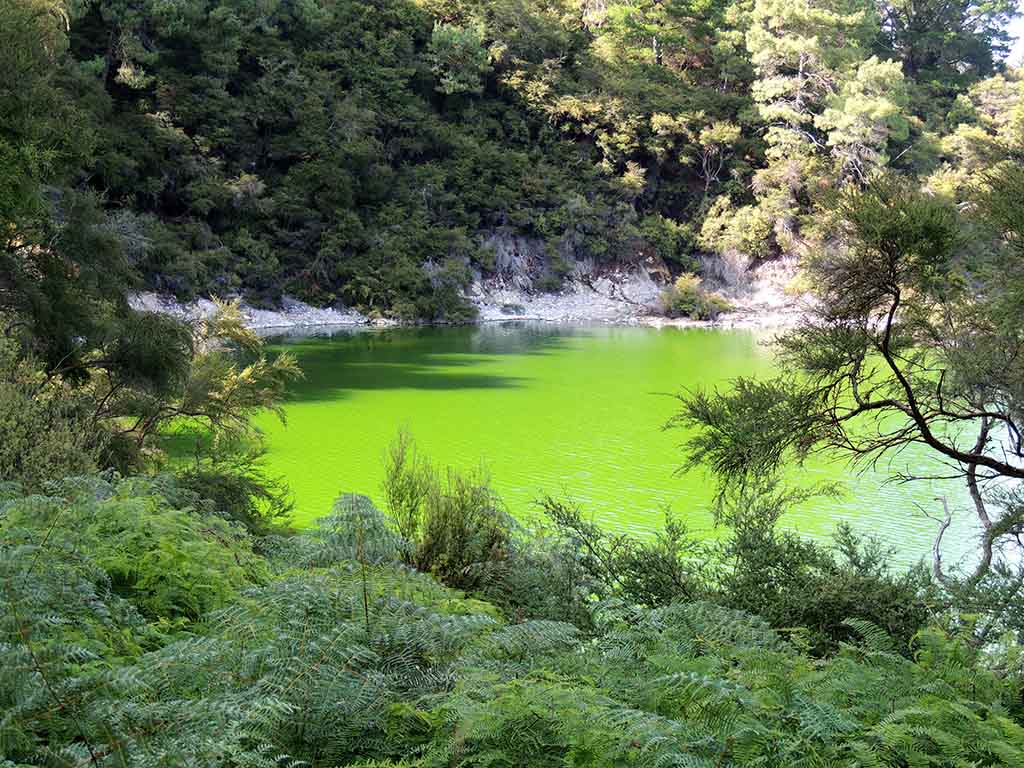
x=380, y=154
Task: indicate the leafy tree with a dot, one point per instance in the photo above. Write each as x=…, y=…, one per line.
x=865, y=117
x=911, y=341
x=989, y=131
x=458, y=57
x=219, y=377
x=817, y=91
x=944, y=46
x=46, y=425
x=41, y=134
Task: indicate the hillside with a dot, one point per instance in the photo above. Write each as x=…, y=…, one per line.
x=386, y=156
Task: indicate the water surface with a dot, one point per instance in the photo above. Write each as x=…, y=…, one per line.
x=573, y=411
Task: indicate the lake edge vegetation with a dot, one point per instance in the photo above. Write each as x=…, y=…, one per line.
x=142, y=626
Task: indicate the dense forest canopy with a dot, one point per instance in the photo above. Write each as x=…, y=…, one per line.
x=376, y=153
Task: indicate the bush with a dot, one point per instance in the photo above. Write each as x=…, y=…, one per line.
x=453, y=521
x=746, y=230
x=343, y=656
x=542, y=576
x=686, y=298
x=45, y=427
x=671, y=241
x=641, y=571
x=237, y=488
x=796, y=583
x=458, y=58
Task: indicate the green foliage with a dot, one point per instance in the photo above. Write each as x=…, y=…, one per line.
x=672, y=242
x=453, y=521
x=366, y=153
x=945, y=46
x=801, y=586
x=458, y=57
x=865, y=117
x=744, y=230
x=168, y=562
x=42, y=135
x=347, y=657
x=686, y=298
x=47, y=427
x=645, y=572
x=63, y=278
x=203, y=379
x=907, y=342
x=797, y=585
x=236, y=486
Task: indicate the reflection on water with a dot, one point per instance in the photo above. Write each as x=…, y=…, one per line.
x=573, y=410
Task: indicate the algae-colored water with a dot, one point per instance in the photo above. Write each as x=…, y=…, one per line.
x=572, y=411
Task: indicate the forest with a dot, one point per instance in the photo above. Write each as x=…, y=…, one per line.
x=376, y=154
x=163, y=610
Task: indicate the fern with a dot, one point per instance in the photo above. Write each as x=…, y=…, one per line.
x=330, y=651
x=874, y=637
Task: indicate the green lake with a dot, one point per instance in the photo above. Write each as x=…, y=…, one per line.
x=572, y=411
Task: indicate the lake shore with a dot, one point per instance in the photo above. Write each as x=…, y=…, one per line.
x=614, y=298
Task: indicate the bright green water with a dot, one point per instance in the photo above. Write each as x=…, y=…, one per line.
x=548, y=409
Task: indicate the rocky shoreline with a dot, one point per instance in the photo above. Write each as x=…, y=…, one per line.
x=620, y=298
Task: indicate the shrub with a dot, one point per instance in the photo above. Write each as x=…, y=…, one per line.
x=642, y=571
x=453, y=521
x=458, y=58
x=45, y=427
x=348, y=658
x=746, y=229
x=237, y=488
x=542, y=576
x=170, y=563
x=670, y=240
x=796, y=583
x=687, y=298
x=408, y=478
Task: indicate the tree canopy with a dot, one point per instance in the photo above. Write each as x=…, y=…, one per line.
x=375, y=154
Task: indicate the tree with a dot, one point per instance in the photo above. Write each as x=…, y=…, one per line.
x=945, y=45
x=40, y=133
x=801, y=52
x=988, y=130
x=459, y=59
x=63, y=280
x=913, y=339
x=675, y=33
x=210, y=377
x=864, y=117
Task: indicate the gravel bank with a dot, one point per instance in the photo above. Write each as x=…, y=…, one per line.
x=613, y=297
x=293, y=313
x=626, y=297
